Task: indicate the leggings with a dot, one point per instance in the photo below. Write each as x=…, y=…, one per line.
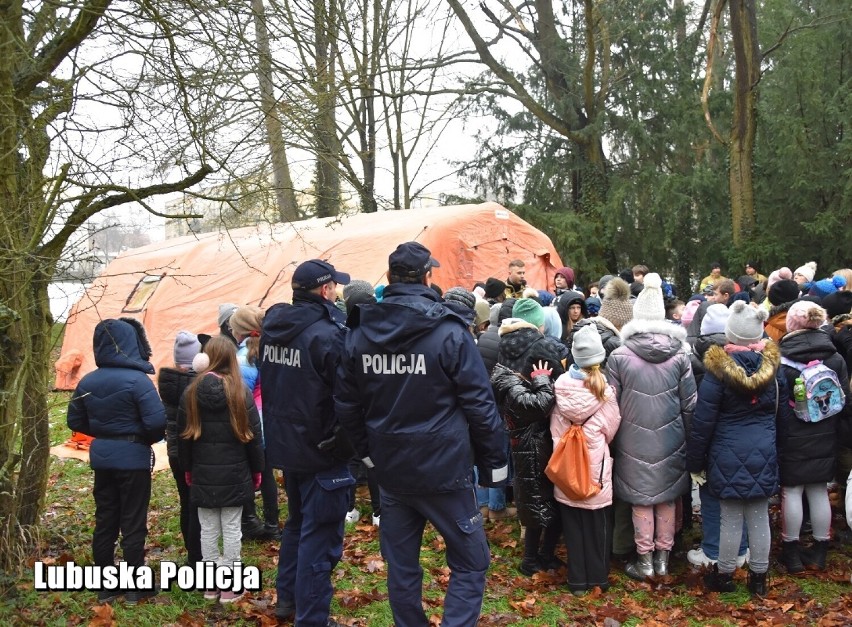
x=756, y=514
x=791, y=510
x=654, y=526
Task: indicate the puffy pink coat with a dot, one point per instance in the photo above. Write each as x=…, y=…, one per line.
x=573, y=404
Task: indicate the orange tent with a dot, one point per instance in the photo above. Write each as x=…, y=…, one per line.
x=179, y=284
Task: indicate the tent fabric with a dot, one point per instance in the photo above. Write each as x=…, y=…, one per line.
x=179, y=284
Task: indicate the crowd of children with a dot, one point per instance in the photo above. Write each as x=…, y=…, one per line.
x=666, y=394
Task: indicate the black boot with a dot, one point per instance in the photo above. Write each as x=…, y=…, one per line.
x=757, y=583
x=791, y=558
x=719, y=582
x=530, y=566
x=814, y=558
x=252, y=528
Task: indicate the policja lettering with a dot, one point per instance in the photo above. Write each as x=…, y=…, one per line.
x=394, y=364
x=283, y=355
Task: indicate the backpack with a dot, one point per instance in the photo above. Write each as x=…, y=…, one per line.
x=570, y=465
x=825, y=396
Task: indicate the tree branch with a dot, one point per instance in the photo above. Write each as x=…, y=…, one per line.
x=58, y=48
x=91, y=205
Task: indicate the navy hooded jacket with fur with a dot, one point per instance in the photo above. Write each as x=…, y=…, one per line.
x=733, y=433
x=117, y=404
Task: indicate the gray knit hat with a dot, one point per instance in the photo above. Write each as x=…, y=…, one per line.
x=745, y=324
x=461, y=296
x=225, y=311
x=587, y=348
x=715, y=319
x=616, y=305
x=357, y=285
x=187, y=346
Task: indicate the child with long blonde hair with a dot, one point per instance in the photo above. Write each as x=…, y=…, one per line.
x=220, y=449
x=584, y=397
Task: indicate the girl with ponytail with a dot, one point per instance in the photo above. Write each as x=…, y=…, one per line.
x=584, y=397
x=220, y=451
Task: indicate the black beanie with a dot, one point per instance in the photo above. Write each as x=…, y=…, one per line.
x=783, y=291
x=837, y=304
x=494, y=287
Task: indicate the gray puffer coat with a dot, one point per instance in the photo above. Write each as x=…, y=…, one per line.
x=656, y=392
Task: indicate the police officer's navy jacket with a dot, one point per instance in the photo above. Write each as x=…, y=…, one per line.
x=414, y=396
x=299, y=348
x=117, y=404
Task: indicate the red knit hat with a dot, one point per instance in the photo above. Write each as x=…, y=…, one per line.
x=568, y=273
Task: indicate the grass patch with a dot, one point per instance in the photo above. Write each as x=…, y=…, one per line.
x=360, y=578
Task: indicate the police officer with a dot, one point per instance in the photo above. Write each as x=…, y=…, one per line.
x=413, y=394
x=299, y=348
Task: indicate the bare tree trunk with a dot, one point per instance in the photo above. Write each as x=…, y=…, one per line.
x=285, y=195
x=327, y=175
x=744, y=124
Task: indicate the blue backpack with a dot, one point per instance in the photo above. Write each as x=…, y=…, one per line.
x=824, y=394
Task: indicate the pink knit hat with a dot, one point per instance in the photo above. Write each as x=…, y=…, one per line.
x=804, y=314
x=778, y=275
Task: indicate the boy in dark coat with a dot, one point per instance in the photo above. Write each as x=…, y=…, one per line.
x=118, y=405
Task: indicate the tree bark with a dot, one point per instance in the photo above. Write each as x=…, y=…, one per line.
x=285, y=195
x=327, y=175
x=744, y=123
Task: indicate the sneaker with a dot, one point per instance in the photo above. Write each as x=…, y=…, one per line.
x=697, y=557
x=376, y=519
x=211, y=595
x=108, y=596
x=502, y=514
x=227, y=596
x=353, y=516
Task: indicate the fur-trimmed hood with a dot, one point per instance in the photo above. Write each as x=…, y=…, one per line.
x=747, y=372
x=510, y=325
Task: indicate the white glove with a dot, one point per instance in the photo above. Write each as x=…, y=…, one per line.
x=700, y=478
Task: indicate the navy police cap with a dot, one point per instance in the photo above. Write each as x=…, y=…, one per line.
x=315, y=272
x=411, y=259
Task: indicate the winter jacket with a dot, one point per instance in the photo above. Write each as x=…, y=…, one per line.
x=413, y=394
x=733, y=430
x=489, y=348
x=841, y=335
x=118, y=404
x=807, y=451
x=172, y=382
x=250, y=374
x=776, y=324
x=699, y=349
x=610, y=337
x=522, y=346
x=220, y=464
x=653, y=380
x=574, y=404
x=299, y=349
x=526, y=406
